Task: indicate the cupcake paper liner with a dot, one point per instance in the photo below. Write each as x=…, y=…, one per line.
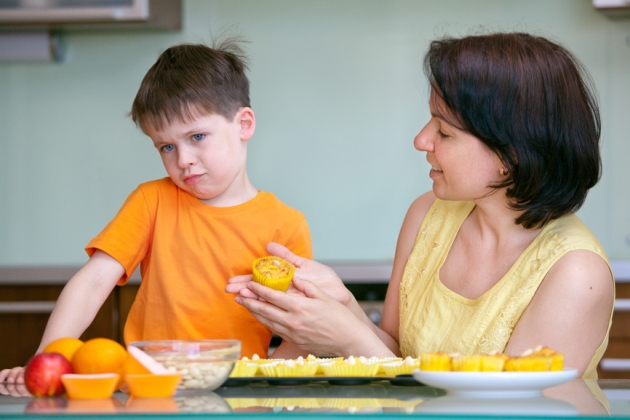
x=280, y=283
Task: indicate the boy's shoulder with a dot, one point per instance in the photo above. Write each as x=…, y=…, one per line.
x=272, y=203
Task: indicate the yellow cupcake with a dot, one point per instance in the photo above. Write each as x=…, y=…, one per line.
x=466, y=362
x=493, y=362
x=273, y=272
x=557, y=359
x=400, y=367
x=436, y=361
x=290, y=368
x=244, y=370
x=350, y=367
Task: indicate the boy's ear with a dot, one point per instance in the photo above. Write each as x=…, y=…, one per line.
x=247, y=121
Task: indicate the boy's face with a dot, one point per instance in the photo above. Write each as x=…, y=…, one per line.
x=206, y=156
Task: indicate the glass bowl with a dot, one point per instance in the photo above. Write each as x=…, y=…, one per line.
x=204, y=364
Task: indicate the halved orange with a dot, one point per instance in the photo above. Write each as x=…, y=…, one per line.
x=149, y=385
x=94, y=386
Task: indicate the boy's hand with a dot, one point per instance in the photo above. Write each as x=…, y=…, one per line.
x=12, y=382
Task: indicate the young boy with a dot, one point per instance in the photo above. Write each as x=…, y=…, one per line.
x=194, y=230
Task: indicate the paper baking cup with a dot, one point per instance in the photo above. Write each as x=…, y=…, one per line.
x=244, y=370
x=398, y=368
x=92, y=386
x=343, y=369
x=280, y=283
x=296, y=371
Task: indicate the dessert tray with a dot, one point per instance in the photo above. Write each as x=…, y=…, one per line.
x=495, y=384
x=400, y=380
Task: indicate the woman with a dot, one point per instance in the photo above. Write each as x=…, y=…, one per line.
x=493, y=258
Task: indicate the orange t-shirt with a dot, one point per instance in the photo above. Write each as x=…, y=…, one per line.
x=188, y=251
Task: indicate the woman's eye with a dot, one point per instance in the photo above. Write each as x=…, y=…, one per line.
x=198, y=136
x=167, y=148
x=441, y=134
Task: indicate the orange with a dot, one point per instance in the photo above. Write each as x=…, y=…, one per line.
x=133, y=366
x=99, y=355
x=67, y=346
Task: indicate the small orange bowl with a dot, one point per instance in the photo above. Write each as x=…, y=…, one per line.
x=150, y=385
x=92, y=386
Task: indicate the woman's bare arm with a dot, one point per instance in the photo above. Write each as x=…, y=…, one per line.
x=570, y=310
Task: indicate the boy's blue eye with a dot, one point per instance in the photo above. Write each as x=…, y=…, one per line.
x=198, y=136
x=168, y=148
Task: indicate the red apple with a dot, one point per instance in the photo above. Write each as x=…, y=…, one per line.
x=42, y=375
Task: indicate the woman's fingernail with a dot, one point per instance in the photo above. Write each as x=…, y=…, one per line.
x=239, y=300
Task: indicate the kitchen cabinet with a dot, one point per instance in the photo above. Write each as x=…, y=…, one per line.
x=616, y=361
x=24, y=312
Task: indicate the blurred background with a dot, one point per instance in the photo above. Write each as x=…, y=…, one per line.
x=339, y=94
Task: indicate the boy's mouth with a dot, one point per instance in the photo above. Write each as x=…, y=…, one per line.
x=192, y=179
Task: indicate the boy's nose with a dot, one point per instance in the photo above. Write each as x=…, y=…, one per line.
x=185, y=159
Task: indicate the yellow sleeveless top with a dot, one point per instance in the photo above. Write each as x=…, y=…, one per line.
x=434, y=318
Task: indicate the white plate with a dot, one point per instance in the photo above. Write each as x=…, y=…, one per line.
x=494, y=384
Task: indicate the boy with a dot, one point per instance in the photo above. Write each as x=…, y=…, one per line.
x=194, y=230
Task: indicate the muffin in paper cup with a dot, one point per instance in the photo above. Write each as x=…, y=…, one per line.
x=493, y=362
x=399, y=368
x=296, y=370
x=528, y=364
x=346, y=369
x=466, y=362
x=436, y=361
x=244, y=370
x=273, y=272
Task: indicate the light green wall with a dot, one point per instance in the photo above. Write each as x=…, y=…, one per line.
x=338, y=91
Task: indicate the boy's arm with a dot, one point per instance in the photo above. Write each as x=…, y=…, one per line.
x=82, y=297
x=77, y=305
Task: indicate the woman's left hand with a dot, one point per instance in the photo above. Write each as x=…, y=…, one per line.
x=313, y=321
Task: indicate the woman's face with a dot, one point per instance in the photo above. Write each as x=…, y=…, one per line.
x=462, y=167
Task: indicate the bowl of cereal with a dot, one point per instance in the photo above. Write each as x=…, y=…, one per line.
x=203, y=364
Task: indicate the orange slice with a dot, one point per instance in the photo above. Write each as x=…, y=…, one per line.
x=90, y=386
x=148, y=385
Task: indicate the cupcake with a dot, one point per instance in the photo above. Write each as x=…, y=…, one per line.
x=273, y=272
x=400, y=367
x=436, y=361
x=493, y=362
x=466, y=362
x=557, y=359
x=350, y=367
x=529, y=361
x=244, y=369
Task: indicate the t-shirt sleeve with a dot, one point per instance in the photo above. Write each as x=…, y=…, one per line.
x=300, y=242
x=127, y=236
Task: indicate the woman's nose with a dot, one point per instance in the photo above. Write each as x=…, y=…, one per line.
x=423, y=141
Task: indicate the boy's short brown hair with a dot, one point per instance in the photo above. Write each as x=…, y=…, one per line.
x=191, y=78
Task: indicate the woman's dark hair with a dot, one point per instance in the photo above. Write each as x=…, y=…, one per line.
x=190, y=78
x=531, y=102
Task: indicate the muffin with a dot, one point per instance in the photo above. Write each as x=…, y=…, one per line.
x=436, y=361
x=466, y=362
x=349, y=367
x=273, y=272
x=400, y=367
x=493, y=362
x=557, y=359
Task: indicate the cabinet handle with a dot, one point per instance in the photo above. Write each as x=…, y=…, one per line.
x=622, y=305
x=615, y=364
x=27, y=307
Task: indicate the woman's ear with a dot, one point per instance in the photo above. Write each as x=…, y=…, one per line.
x=247, y=120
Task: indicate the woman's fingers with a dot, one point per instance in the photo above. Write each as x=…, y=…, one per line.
x=283, y=252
